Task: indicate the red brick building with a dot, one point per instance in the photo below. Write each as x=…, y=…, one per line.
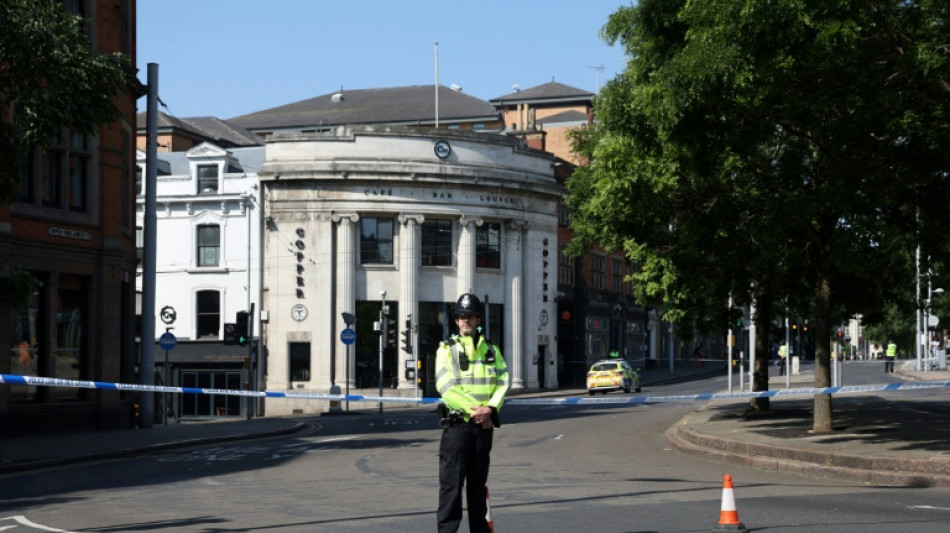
x=72, y=228
x=595, y=306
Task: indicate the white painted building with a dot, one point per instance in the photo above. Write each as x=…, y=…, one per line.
x=421, y=216
x=208, y=267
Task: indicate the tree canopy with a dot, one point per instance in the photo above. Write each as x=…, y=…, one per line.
x=788, y=153
x=50, y=77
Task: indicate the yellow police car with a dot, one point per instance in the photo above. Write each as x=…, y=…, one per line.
x=612, y=374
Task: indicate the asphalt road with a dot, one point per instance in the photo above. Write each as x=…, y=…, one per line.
x=553, y=469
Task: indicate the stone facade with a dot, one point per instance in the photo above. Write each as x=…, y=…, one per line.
x=419, y=216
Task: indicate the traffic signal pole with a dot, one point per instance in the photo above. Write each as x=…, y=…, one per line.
x=384, y=323
x=249, y=327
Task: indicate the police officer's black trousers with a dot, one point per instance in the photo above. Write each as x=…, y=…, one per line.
x=463, y=461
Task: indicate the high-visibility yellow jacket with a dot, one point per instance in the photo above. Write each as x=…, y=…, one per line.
x=891, y=350
x=483, y=383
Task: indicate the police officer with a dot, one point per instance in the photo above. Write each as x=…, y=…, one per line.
x=472, y=378
x=783, y=358
x=889, y=357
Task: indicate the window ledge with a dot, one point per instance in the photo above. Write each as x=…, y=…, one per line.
x=208, y=270
x=378, y=266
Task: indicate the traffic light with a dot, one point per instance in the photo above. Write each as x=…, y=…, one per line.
x=734, y=318
x=240, y=329
x=390, y=327
x=407, y=337
x=230, y=334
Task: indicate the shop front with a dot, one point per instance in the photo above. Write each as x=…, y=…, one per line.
x=205, y=365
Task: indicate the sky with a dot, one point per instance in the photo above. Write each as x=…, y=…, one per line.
x=227, y=58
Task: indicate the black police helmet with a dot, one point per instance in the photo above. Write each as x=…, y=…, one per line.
x=468, y=304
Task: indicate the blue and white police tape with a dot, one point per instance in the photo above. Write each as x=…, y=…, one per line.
x=805, y=391
x=38, y=381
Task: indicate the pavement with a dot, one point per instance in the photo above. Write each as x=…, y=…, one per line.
x=881, y=439
x=877, y=438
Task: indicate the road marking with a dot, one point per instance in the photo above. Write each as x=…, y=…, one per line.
x=337, y=439
x=398, y=422
x=23, y=521
x=929, y=507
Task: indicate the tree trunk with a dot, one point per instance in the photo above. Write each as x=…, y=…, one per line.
x=823, y=416
x=760, y=352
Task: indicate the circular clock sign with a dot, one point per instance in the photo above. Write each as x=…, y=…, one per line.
x=298, y=312
x=442, y=149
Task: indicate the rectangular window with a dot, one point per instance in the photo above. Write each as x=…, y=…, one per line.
x=26, y=180
x=139, y=245
x=127, y=196
x=208, y=311
x=207, y=179
x=376, y=240
x=25, y=356
x=59, y=176
x=69, y=360
x=207, y=405
x=597, y=274
x=78, y=172
x=565, y=269
x=616, y=275
x=437, y=243
x=597, y=338
x=209, y=245
x=139, y=180
x=488, y=245
x=563, y=214
x=300, y=361
x=51, y=178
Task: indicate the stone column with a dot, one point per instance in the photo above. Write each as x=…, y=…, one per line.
x=514, y=308
x=465, y=280
x=318, y=291
x=410, y=258
x=346, y=289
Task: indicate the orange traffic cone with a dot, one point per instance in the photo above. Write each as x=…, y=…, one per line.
x=728, y=516
x=491, y=525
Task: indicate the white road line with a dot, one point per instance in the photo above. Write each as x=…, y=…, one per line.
x=23, y=521
x=337, y=439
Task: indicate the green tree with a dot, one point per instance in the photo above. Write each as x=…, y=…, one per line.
x=787, y=152
x=50, y=77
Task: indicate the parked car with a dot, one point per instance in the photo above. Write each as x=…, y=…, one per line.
x=611, y=375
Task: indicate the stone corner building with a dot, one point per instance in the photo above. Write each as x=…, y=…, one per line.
x=356, y=216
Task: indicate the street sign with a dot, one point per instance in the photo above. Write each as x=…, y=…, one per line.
x=347, y=336
x=932, y=321
x=167, y=341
